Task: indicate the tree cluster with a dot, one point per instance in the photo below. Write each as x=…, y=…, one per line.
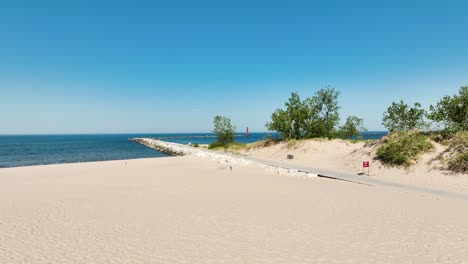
x=313, y=117
x=402, y=117
x=451, y=112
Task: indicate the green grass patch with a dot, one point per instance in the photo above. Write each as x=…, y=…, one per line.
x=403, y=148
x=215, y=145
x=232, y=147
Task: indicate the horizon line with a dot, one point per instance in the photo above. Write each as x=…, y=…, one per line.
x=134, y=133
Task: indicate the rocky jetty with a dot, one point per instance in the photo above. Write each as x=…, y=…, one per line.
x=161, y=146
x=175, y=149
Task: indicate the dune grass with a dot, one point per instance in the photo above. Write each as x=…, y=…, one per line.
x=231, y=147
x=458, y=152
x=403, y=148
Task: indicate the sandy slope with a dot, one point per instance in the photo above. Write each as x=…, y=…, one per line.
x=193, y=210
x=340, y=155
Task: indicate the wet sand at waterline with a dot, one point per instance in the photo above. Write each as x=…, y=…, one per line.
x=195, y=210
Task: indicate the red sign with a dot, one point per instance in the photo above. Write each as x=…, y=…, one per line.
x=365, y=164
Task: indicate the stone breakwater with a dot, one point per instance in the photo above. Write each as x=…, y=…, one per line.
x=162, y=146
x=175, y=149
x=226, y=161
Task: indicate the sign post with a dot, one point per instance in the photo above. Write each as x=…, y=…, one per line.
x=366, y=164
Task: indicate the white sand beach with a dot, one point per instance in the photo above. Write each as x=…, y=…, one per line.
x=194, y=210
x=211, y=132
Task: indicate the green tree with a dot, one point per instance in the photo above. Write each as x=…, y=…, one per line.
x=452, y=112
x=313, y=117
x=402, y=117
x=289, y=122
x=281, y=122
x=352, y=128
x=224, y=130
x=323, y=113
x=297, y=114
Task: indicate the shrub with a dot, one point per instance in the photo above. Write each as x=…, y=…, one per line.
x=443, y=137
x=402, y=148
x=215, y=144
x=459, y=163
x=458, y=152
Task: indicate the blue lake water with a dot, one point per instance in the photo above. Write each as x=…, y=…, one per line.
x=25, y=150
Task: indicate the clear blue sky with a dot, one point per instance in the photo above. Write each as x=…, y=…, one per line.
x=171, y=66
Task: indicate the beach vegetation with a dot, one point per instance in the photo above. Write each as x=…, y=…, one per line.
x=451, y=111
x=402, y=148
x=352, y=128
x=233, y=147
x=322, y=113
x=236, y=147
x=441, y=136
x=215, y=145
x=402, y=117
x=290, y=122
x=313, y=117
x=224, y=131
x=262, y=144
x=459, y=163
x=455, y=156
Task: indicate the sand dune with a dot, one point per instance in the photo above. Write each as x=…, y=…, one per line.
x=344, y=156
x=193, y=210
